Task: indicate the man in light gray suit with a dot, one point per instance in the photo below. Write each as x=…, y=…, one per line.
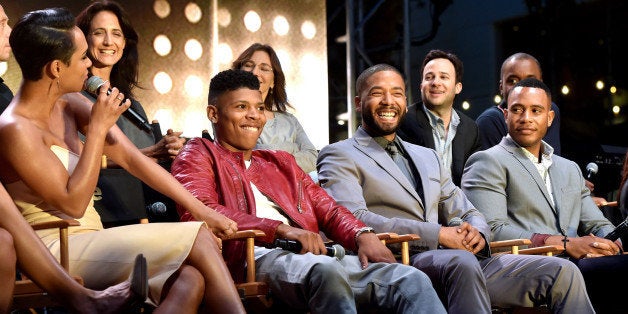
x=525, y=191
x=415, y=194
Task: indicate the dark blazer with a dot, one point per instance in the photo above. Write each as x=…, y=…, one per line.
x=416, y=129
x=5, y=96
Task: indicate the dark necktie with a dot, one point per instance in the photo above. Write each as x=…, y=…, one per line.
x=405, y=167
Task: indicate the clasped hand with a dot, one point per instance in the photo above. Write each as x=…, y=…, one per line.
x=591, y=246
x=464, y=237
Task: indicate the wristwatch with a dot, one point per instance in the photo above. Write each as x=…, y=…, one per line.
x=363, y=230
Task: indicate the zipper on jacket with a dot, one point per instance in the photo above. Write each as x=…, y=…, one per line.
x=299, y=199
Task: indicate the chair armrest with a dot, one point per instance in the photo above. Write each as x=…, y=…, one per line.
x=392, y=238
x=610, y=204
x=63, y=225
x=243, y=234
x=248, y=236
x=512, y=246
x=548, y=250
x=404, y=238
x=387, y=236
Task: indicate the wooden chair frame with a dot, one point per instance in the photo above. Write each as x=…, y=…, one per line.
x=513, y=247
x=28, y=294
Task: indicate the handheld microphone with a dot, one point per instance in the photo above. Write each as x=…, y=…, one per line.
x=592, y=169
x=93, y=85
x=157, y=209
x=335, y=250
x=156, y=128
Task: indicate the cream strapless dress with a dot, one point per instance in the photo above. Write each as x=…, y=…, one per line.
x=104, y=257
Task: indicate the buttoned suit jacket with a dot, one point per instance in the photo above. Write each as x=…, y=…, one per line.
x=416, y=129
x=358, y=172
x=507, y=188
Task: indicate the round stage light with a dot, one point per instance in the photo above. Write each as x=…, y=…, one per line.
x=308, y=29
x=162, y=82
x=252, y=21
x=161, y=8
x=193, y=49
x=224, y=53
x=193, y=86
x=193, y=12
x=162, y=45
x=281, y=25
x=224, y=17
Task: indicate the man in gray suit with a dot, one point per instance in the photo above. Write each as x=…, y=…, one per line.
x=525, y=191
x=415, y=194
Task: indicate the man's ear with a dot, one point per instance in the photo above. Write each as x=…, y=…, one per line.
x=458, y=88
x=212, y=113
x=550, y=118
x=357, y=103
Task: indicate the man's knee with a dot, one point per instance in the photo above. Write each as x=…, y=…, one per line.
x=327, y=272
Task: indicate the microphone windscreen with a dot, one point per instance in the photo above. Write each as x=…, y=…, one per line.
x=592, y=168
x=93, y=84
x=157, y=208
x=339, y=251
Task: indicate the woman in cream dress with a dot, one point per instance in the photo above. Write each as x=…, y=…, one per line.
x=51, y=174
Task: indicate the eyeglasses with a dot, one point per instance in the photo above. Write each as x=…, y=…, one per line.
x=250, y=66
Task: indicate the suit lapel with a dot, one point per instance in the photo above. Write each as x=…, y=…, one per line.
x=422, y=172
x=558, y=179
x=371, y=149
x=530, y=169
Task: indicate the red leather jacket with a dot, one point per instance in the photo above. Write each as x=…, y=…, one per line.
x=219, y=178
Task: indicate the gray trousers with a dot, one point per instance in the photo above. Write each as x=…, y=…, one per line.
x=506, y=280
x=322, y=284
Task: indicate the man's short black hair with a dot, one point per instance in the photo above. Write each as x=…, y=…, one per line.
x=230, y=80
x=533, y=83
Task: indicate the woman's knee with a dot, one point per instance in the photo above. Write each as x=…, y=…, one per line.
x=7, y=247
x=188, y=281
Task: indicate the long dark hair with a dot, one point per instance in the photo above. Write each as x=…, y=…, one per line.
x=277, y=96
x=124, y=74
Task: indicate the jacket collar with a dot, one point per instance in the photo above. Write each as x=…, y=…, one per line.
x=515, y=150
x=367, y=145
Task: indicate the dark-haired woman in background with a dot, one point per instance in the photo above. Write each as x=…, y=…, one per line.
x=282, y=130
x=112, y=42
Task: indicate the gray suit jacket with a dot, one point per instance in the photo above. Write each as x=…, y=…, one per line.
x=508, y=189
x=361, y=176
